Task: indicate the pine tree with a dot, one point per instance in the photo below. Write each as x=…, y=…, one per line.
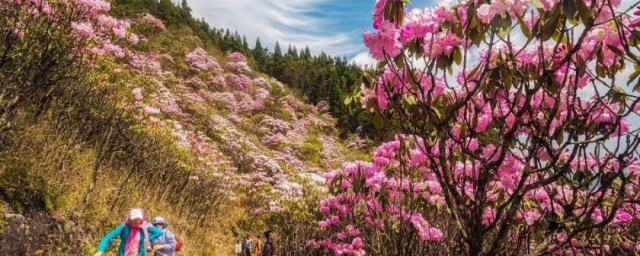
x=307, y=52
x=290, y=50
x=259, y=54
x=277, y=52
x=245, y=44
x=185, y=10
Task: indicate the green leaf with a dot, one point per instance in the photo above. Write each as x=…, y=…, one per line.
x=348, y=100
x=637, y=86
x=377, y=121
x=436, y=112
x=618, y=95
x=503, y=23
x=474, y=71
x=550, y=25
x=457, y=56
x=583, y=10
x=616, y=50
x=569, y=8
x=356, y=185
x=559, y=37
x=537, y=4
x=399, y=60
x=523, y=26
x=410, y=100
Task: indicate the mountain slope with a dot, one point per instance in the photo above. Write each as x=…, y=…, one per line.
x=161, y=123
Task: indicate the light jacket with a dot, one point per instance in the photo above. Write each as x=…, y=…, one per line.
x=123, y=231
x=167, y=238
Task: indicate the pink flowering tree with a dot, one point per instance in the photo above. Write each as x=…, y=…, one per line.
x=47, y=46
x=516, y=132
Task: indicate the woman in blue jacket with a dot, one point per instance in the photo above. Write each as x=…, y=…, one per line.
x=134, y=235
x=165, y=245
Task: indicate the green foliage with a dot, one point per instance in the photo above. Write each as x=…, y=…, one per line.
x=311, y=148
x=23, y=190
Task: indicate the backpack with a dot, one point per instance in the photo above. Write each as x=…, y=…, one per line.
x=178, y=243
x=178, y=246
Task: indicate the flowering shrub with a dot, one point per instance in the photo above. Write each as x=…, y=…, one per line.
x=150, y=19
x=236, y=57
x=217, y=82
x=236, y=62
x=261, y=82
x=274, y=126
x=521, y=146
x=239, y=82
x=200, y=60
x=75, y=34
x=239, y=67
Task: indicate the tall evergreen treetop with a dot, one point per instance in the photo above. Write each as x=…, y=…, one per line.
x=277, y=52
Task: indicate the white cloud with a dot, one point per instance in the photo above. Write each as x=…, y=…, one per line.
x=364, y=59
x=291, y=21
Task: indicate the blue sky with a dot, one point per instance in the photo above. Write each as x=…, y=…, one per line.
x=333, y=26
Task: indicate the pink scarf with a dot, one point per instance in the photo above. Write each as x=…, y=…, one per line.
x=132, y=246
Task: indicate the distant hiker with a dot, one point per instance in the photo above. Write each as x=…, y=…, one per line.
x=247, y=247
x=165, y=245
x=239, y=246
x=134, y=234
x=258, y=248
x=268, y=249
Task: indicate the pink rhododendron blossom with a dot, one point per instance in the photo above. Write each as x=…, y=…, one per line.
x=83, y=28
x=236, y=57
x=151, y=110
x=200, y=60
x=385, y=42
x=150, y=19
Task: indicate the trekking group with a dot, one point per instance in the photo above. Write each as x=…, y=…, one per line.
x=246, y=247
x=137, y=237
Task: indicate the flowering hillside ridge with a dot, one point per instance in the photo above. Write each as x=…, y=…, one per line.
x=248, y=130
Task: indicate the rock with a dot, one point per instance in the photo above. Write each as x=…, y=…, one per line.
x=14, y=217
x=68, y=225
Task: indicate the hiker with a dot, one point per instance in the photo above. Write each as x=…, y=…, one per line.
x=248, y=247
x=166, y=244
x=258, y=248
x=134, y=235
x=239, y=246
x=268, y=249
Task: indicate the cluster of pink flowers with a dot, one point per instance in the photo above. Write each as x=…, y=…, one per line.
x=200, y=60
x=261, y=82
x=239, y=82
x=150, y=19
x=83, y=28
x=273, y=125
x=236, y=57
x=384, y=43
x=217, y=82
x=236, y=62
x=144, y=64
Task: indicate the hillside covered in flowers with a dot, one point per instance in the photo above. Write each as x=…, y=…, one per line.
x=129, y=112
